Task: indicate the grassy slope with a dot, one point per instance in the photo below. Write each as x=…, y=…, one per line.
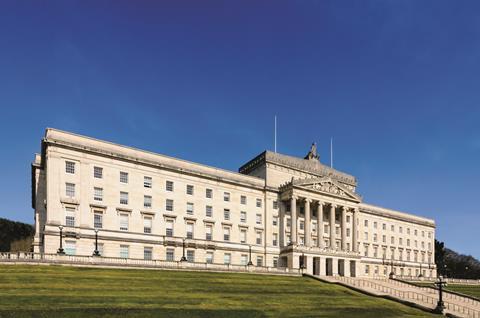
x=54, y=291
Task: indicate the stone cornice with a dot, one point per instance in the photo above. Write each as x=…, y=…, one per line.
x=401, y=216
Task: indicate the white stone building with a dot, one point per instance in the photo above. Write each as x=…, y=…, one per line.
x=147, y=205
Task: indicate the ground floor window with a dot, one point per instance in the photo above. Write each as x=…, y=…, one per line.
x=70, y=247
x=243, y=259
x=259, y=260
x=170, y=254
x=147, y=253
x=191, y=256
x=123, y=251
x=227, y=258
x=209, y=258
x=275, y=262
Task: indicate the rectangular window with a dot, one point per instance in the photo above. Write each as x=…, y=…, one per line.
x=275, y=239
x=392, y=240
x=97, y=194
x=169, y=228
x=227, y=257
x=384, y=238
x=400, y=229
x=70, y=247
x=189, y=230
x=98, y=220
x=400, y=241
x=70, y=167
x=123, y=251
x=169, y=186
x=258, y=219
x=243, y=236
x=259, y=238
x=259, y=261
x=348, y=232
x=190, y=256
x=374, y=237
x=375, y=224
x=275, y=221
x=226, y=214
x=226, y=234
x=275, y=261
x=189, y=189
x=226, y=196
x=209, y=257
x=69, y=216
x=209, y=193
x=208, y=211
x=302, y=225
x=147, y=253
x=98, y=172
x=70, y=189
x=123, y=197
x=243, y=216
x=208, y=232
x=123, y=177
x=170, y=254
x=366, y=223
x=243, y=199
x=392, y=228
x=169, y=205
x=147, y=224
x=243, y=259
x=275, y=204
x=147, y=182
x=259, y=203
x=123, y=222
x=384, y=226
x=147, y=201
x=189, y=208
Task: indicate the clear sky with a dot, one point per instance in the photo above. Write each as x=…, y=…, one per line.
x=396, y=83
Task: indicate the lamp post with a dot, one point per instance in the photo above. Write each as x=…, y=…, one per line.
x=303, y=265
x=60, y=249
x=96, y=252
x=183, y=259
x=249, y=255
x=440, y=305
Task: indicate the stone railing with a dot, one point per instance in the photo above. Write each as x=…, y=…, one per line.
x=39, y=258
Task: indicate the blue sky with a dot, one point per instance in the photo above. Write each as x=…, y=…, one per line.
x=396, y=83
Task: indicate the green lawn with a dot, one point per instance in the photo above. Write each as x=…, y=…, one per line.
x=55, y=291
x=472, y=290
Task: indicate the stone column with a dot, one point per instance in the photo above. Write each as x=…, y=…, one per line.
x=332, y=226
x=344, y=228
x=307, y=228
x=320, y=225
x=293, y=219
x=354, y=230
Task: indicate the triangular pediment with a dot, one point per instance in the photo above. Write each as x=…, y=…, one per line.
x=328, y=186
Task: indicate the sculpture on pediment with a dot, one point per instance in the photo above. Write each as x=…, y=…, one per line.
x=312, y=154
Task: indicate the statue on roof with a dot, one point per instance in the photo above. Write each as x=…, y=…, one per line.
x=312, y=154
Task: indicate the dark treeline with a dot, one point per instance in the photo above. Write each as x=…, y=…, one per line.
x=454, y=265
x=11, y=231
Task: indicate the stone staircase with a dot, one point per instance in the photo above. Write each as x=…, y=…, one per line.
x=424, y=297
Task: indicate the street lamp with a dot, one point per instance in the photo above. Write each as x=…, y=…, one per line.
x=96, y=252
x=249, y=255
x=183, y=259
x=60, y=249
x=303, y=265
x=440, y=305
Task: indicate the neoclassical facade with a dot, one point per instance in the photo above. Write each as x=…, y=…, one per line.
x=277, y=211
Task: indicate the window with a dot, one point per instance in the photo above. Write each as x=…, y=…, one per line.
x=97, y=194
x=259, y=238
x=169, y=186
x=226, y=214
x=275, y=204
x=124, y=222
x=123, y=177
x=302, y=225
x=375, y=251
x=100, y=248
x=400, y=241
x=275, y=239
x=208, y=232
x=365, y=250
x=243, y=259
x=189, y=208
x=123, y=251
x=147, y=182
x=258, y=219
x=189, y=230
x=170, y=254
x=348, y=219
x=98, y=220
x=400, y=229
x=209, y=257
x=415, y=232
x=147, y=253
x=384, y=238
x=275, y=221
x=392, y=240
x=289, y=240
x=289, y=222
x=348, y=232
x=169, y=228
x=169, y=205
x=275, y=261
x=208, y=211
x=69, y=216
x=226, y=234
x=190, y=256
x=147, y=201
x=189, y=189
x=70, y=167
x=243, y=199
x=384, y=226
x=392, y=228
x=226, y=196
x=365, y=223
x=70, y=247
x=209, y=193
x=259, y=203
x=123, y=197
x=227, y=257
x=243, y=236
x=375, y=225
x=70, y=190
x=408, y=230
x=147, y=224
x=375, y=237
x=408, y=242
x=243, y=216
x=98, y=172
x=259, y=261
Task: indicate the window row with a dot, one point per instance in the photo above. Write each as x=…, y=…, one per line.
x=400, y=229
